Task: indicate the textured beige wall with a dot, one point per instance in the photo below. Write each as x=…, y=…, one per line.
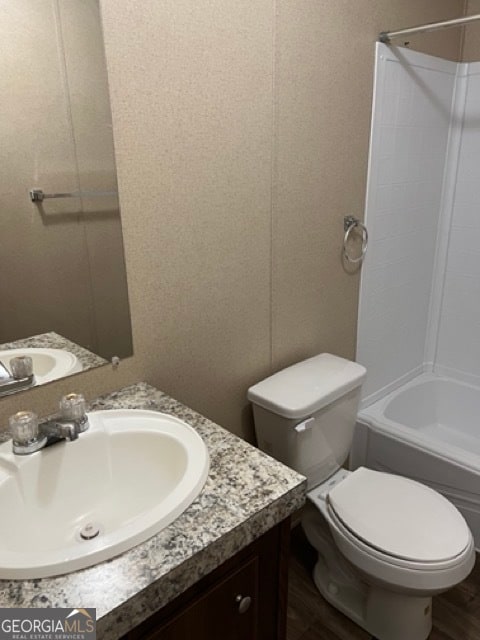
x=471, y=45
x=241, y=135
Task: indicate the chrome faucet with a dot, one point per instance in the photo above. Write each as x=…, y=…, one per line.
x=20, y=377
x=30, y=435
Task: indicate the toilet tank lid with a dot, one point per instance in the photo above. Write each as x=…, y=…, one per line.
x=308, y=386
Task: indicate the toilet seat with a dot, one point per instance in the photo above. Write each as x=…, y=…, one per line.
x=398, y=517
x=397, y=573
x=380, y=567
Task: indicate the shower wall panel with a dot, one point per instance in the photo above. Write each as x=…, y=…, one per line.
x=410, y=132
x=458, y=342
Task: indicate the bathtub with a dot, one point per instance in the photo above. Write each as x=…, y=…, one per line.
x=428, y=430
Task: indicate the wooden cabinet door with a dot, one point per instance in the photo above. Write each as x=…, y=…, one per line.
x=229, y=610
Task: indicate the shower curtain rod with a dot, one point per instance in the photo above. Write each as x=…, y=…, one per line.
x=386, y=36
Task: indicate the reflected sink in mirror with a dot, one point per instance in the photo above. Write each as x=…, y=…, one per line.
x=122, y=481
x=48, y=364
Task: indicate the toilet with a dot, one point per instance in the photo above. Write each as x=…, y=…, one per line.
x=386, y=544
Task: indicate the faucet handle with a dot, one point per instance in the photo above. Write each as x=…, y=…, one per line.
x=73, y=407
x=25, y=433
x=24, y=427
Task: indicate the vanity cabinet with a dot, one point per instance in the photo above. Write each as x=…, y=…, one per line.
x=243, y=599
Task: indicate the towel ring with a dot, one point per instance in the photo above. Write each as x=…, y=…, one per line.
x=349, y=224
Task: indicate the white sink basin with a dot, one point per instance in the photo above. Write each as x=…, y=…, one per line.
x=129, y=476
x=48, y=364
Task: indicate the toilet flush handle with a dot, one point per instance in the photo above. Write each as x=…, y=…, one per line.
x=303, y=426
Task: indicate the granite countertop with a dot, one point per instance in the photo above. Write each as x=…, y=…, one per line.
x=246, y=493
x=52, y=340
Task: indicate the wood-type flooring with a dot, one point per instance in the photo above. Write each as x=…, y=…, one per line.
x=456, y=613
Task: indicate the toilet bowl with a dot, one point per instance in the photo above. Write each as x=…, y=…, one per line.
x=364, y=570
x=386, y=544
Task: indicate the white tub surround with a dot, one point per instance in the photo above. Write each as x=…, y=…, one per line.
x=419, y=305
x=458, y=338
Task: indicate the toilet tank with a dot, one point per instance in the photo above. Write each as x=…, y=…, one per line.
x=305, y=414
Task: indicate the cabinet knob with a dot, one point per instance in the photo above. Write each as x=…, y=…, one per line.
x=244, y=603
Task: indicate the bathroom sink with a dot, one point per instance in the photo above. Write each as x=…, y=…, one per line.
x=48, y=364
x=78, y=503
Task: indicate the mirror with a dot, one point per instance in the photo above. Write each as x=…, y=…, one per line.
x=62, y=273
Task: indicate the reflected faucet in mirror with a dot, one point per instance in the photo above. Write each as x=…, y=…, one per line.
x=20, y=376
x=25, y=366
